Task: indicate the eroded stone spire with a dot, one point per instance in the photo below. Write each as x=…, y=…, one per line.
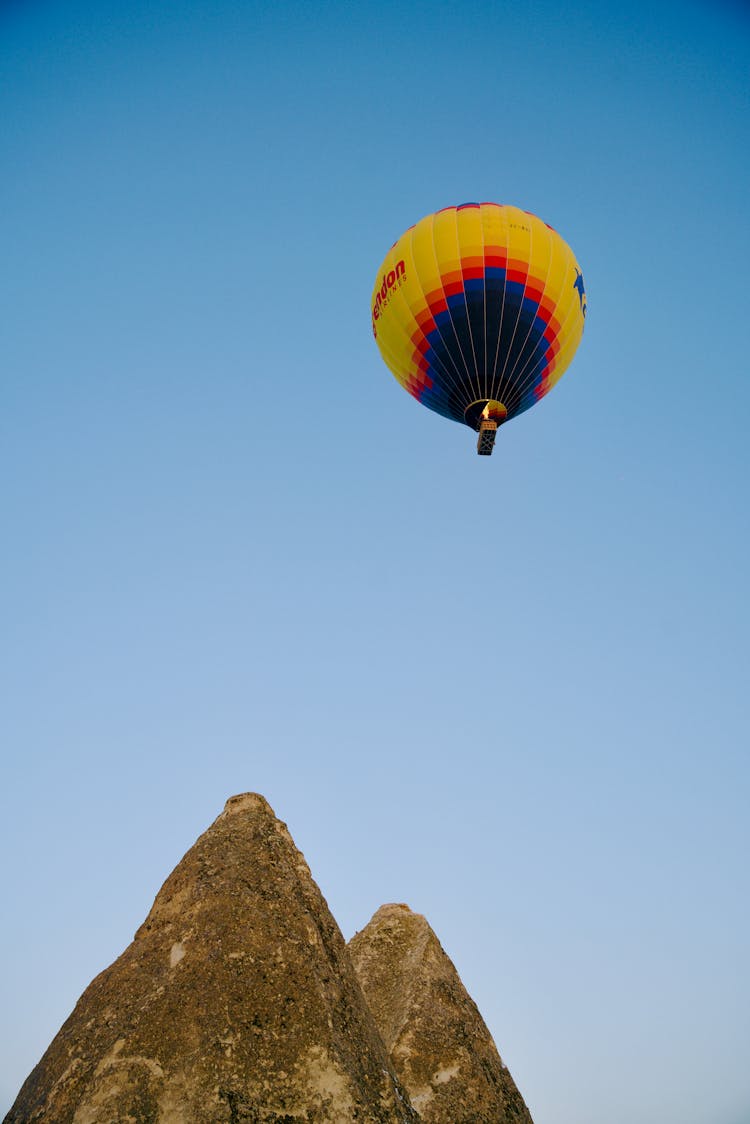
x=235, y=1002
x=439, y=1044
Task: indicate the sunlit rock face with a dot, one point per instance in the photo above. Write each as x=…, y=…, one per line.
x=236, y=1002
x=439, y=1044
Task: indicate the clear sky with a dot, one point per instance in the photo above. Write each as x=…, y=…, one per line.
x=510, y=691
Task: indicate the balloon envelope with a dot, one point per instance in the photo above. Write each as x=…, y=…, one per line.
x=478, y=310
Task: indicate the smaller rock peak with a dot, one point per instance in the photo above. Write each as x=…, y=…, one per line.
x=247, y=802
x=440, y=1047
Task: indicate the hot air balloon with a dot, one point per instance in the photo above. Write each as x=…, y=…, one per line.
x=478, y=310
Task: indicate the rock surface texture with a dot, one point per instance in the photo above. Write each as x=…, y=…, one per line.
x=439, y=1044
x=236, y=1003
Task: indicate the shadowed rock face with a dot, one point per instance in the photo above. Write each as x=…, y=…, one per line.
x=439, y=1044
x=236, y=1002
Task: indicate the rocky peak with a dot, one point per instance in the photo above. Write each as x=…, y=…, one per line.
x=439, y=1044
x=235, y=1002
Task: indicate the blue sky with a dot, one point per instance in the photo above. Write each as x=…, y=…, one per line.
x=236, y=556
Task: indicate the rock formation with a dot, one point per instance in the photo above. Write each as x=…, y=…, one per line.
x=235, y=1002
x=439, y=1044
